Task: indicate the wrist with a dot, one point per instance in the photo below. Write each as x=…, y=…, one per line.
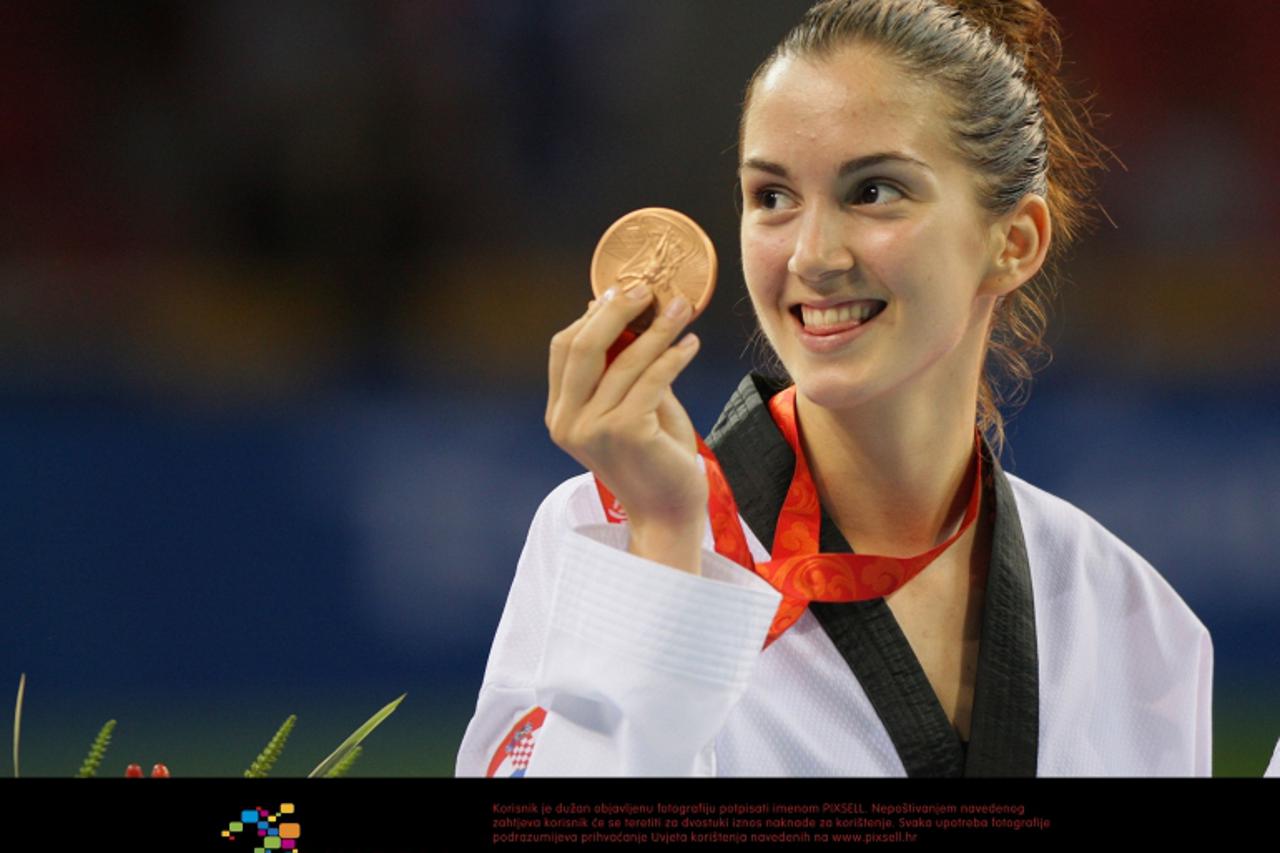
x=678, y=545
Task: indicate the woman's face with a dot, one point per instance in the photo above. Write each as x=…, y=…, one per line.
x=865, y=252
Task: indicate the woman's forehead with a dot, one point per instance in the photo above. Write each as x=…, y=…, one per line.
x=856, y=98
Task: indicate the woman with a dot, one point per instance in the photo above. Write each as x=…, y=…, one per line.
x=907, y=169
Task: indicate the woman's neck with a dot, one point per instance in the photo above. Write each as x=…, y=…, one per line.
x=894, y=477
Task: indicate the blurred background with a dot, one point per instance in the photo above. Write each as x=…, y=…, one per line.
x=277, y=281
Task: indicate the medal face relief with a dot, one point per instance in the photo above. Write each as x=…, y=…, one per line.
x=661, y=248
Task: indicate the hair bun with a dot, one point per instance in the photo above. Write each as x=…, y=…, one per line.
x=1024, y=27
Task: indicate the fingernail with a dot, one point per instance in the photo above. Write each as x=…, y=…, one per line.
x=636, y=291
x=688, y=341
x=677, y=307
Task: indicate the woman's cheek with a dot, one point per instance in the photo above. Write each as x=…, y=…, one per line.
x=768, y=253
x=893, y=255
x=889, y=243
x=781, y=252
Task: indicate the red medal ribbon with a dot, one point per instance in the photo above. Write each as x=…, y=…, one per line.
x=796, y=568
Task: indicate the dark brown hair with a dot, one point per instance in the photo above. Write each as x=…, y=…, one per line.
x=1012, y=121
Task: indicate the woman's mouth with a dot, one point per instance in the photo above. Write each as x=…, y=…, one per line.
x=837, y=318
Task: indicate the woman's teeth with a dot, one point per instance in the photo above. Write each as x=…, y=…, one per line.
x=817, y=318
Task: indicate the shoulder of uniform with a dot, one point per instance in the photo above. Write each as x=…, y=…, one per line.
x=1059, y=521
x=1068, y=548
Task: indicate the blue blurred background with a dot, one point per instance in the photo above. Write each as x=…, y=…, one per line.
x=276, y=284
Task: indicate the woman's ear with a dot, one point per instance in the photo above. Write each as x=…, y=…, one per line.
x=1019, y=244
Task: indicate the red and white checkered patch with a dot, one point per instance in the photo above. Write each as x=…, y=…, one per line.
x=523, y=748
x=512, y=756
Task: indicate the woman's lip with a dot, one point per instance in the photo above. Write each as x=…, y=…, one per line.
x=835, y=329
x=831, y=337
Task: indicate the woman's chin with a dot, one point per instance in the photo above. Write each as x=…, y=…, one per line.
x=835, y=392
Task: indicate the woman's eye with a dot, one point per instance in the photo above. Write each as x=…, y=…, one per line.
x=876, y=192
x=770, y=199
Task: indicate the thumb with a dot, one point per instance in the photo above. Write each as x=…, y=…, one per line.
x=674, y=421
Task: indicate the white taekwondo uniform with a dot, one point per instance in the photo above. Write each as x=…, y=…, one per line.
x=1089, y=663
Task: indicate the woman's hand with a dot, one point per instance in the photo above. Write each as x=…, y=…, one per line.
x=624, y=423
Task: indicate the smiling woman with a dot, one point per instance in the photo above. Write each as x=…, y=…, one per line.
x=908, y=169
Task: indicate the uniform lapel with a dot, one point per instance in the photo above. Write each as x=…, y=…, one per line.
x=1004, y=734
x=1004, y=729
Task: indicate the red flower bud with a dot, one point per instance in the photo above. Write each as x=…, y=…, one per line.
x=133, y=771
x=159, y=772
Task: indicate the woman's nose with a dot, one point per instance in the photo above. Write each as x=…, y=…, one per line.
x=821, y=250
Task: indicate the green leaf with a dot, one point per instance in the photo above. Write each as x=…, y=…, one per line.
x=271, y=752
x=96, y=750
x=17, y=721
x=354, y=740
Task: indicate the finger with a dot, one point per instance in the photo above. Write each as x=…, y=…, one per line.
x=635, y=359
x=560, y=343
x=648, y=390
x=586, y=358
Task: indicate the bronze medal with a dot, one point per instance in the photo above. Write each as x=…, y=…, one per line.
x=659, y=247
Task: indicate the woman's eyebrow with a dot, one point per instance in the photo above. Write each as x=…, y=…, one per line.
x=846, y=168
x=859, y=163
x=764, y=166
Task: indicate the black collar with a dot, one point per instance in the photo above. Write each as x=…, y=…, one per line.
x=1004, y=731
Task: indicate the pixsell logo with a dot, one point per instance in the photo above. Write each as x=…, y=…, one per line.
x=267, y=830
